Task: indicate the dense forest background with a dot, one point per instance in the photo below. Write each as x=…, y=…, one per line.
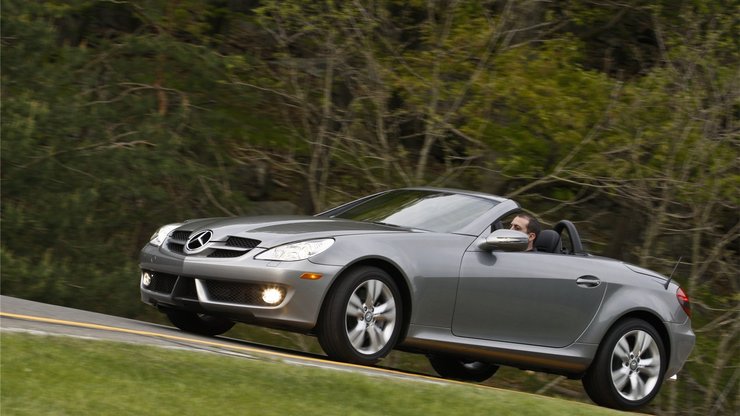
x=622, y=116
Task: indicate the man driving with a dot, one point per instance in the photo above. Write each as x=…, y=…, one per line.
x=528, y=225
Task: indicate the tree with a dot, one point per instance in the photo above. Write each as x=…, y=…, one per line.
x=622, y=116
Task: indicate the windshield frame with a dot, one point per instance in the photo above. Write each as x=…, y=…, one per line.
x=419, y=209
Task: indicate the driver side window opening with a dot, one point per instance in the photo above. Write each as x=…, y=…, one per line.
x=548, y=240
x=521, y=221
x=504, y=223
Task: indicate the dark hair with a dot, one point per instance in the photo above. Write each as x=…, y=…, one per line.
x=533, y=225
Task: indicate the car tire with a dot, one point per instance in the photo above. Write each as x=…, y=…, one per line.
x=362, y=317
x=460, y=369
x=198, y=323
x=629, y=366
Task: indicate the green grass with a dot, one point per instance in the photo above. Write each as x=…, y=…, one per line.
x=49, y=375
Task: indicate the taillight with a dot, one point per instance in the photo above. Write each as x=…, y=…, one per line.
x=684, y=301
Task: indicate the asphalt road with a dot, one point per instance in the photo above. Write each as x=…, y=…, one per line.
x=19, y=315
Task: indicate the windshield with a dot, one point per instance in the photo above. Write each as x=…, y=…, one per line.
x=425, y=210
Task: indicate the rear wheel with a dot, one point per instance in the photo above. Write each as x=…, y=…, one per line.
x=461, y=369
x=199, y=323
x=629, y=367
x=362, y=316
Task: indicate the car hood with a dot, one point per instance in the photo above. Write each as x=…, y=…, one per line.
x=275, y=230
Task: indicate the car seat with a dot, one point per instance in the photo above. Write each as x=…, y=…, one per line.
x=548, y=241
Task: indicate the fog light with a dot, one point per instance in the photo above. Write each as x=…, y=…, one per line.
x=272, y=296
x=146, y=278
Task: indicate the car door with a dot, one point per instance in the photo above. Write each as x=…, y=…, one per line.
x=526, y=297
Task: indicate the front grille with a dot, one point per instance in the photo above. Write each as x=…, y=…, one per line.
x=162, y=282
x=219, y=253
x=176, y=244
x=242, y=242
x=181, y=235
x=235, y=292
x=176, y=248
x=236, y=242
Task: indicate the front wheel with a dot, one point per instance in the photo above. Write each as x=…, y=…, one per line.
x=629, y=367
x=361, y=319
x=460, y=369
x=199, y=323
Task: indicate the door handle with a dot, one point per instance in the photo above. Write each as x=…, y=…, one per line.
x=588, y=281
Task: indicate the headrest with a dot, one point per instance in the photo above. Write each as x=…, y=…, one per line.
x=548, y=241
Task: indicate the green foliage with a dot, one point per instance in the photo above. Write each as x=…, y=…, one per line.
x=104, y=141
x=82, y=377
x=541, y=106
x=118, y=117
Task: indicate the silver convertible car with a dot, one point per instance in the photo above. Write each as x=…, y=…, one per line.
x=432, y=271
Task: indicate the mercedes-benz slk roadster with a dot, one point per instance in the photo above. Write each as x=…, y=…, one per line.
x=432, y=271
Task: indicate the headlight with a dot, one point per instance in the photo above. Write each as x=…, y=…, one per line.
x=161, y=234
x=296, y=251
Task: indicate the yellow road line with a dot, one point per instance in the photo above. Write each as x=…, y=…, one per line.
x=226, y=346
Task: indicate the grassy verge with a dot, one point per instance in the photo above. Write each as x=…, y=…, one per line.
x=58, y=376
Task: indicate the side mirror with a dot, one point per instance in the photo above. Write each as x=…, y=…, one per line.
x=506, y=240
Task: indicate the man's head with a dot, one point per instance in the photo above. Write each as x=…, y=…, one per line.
x=528, y=225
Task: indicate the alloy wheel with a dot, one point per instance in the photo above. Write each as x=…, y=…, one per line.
x=635, y=365
x=370, y=316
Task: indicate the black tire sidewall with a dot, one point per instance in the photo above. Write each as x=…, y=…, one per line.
x=598, y=380
x=454, y=368
x=333, y=331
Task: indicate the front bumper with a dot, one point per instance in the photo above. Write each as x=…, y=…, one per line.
x=231, y=287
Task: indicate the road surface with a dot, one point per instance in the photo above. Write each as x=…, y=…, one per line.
x=19, y=315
